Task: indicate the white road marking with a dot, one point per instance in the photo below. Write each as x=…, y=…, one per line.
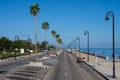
x=65, y=74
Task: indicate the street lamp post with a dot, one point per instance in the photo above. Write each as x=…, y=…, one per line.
x=111, y=14
x=78, y=45
x=79, y=58
x=87, y=33
x=74, y=45
x=29, y=40
x=16, y=38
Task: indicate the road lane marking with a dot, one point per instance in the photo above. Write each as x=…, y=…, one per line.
x=65, y=74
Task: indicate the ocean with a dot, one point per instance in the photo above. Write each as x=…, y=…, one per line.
x=105, y=52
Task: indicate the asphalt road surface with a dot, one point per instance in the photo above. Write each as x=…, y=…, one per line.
x=68, y=69
x=7, y=66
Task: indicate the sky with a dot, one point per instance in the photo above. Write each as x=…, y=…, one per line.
x=69, y=18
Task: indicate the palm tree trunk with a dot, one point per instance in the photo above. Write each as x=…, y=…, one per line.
x=53, y=50
x=36, y=37
x=53, y=43
x=58, y=45
x=45, y=40
x=56, y=48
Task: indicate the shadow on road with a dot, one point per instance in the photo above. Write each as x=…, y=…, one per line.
x=2, y=72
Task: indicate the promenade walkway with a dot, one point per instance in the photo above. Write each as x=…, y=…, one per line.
x=104, y=66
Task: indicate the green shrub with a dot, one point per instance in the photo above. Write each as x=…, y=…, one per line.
x=10, y=55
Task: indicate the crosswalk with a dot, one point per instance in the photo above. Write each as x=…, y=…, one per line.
x=25, y=73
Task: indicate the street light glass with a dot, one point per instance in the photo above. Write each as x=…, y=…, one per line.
x=85, y=33
x=106, y=18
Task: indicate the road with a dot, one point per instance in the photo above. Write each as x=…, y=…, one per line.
x=14, y=72
x=7, y=66
x=68, y=69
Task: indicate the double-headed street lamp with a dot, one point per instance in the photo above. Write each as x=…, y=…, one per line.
x=87, y=33
x=16, y=38
x=111, y=14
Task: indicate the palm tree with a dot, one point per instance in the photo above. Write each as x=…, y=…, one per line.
x=45, y=26
x=60, y=41
x=53, y=33
x=57, y=36
x=34, y=9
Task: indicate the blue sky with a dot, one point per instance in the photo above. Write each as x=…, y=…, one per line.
x=69, y=18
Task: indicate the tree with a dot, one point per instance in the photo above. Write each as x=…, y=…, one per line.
x=42, y=45
x=59, y=41
x=53, y=33
x=6, y=44
x=9, y=46
x=23, y=44
x=45, y=26
x=57, y=36
x=51, y=47
x=34, y=9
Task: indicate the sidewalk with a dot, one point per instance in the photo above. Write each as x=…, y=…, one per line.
x=104, y=66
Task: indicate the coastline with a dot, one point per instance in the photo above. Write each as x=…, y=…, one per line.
x=103, y=52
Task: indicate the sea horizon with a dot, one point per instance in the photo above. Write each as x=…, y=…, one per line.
x=105, y=52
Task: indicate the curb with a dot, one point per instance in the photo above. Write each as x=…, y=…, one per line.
x=97, y=71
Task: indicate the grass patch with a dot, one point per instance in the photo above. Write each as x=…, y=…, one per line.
x=12, y=54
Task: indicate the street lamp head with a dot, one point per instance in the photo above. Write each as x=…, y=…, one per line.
x=85, y=33
x=106, y=19
x=77, y=38
x=108, y=15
